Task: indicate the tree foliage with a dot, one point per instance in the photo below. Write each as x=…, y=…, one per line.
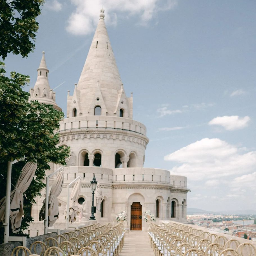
x=27, y=131
x=18, y=26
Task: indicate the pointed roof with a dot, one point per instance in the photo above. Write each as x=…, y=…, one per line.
x=43, y=63
x=100, y=66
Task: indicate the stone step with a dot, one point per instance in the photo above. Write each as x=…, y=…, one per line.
x=137, y=243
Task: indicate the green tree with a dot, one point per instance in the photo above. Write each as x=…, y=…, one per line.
x=18, y=26
x=245, y=236
x=27, y=130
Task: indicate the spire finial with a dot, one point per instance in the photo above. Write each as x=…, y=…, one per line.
x=102, y=15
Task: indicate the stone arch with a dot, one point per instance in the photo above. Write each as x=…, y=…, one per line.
x=135, y=198
x=84, y=158
x=159, y=203
x=174, y=208
x=132, y=159
x=97, y=158
x=74, y=112
x=97, y=110
x=121, y=112
x=120, y=157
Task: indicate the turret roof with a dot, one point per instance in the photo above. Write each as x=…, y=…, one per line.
x=100, y=67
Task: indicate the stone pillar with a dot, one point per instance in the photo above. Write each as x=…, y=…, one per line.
x=91, y=158
x=179, y=211
x=164, y=210
x=124, y=161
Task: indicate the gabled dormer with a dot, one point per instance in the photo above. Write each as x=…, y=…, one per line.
x=73, y=106
x=97, y=106
x=122, y=106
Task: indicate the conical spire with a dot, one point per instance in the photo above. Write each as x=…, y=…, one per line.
x=100, y=67
x=42, y=91
x=43, y=63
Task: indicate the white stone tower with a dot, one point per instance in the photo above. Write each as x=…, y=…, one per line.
x=42, y=91
x=105, y=140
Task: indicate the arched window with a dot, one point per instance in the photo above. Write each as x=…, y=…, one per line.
x=132, y=160
x=97, y=160
x=173, y=209
x=97, y=111
x=121, y=112
x=102, y=208
x=118, y=163
x=157, y=208
x=86, y=159
x=74, y=112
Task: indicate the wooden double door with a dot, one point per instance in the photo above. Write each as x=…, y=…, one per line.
x=136, y=216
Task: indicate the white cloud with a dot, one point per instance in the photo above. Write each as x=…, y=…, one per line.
x=171, y=128
x=212, y=183
x=53, y=5
x=211, y=159
x=231, y=123
x=244, y=181
x=163, y=111
x=84, y=19
x=202, y=105
x=237, y=93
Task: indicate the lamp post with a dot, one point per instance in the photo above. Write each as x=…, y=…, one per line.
x=93, y=186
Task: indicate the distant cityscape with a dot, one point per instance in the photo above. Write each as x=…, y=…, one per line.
x=239, y=225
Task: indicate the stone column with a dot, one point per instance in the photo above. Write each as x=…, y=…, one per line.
x=124, y=161
x=91, y=158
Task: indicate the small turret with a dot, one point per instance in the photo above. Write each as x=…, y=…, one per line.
x=42, y=91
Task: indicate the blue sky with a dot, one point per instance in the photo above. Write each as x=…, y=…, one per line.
x=191, y=68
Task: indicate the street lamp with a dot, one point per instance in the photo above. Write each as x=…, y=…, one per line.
x=93, y=186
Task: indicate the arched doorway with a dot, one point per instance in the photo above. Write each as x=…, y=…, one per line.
x=136, y=216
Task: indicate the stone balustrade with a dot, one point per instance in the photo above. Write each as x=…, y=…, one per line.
x=102, y=123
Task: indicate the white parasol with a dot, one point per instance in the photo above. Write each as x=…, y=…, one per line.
x=16, y=198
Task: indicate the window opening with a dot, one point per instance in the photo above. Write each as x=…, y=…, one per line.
x=102, y=176
x=97, y=111
x=121, y=112
x=97, y=44
x=40, y=73
x=118, y=163
x=133, y=177
x=98, y=98
x=84, y=175
x=46, y=74
x=86, y=160
x=74, y=112
x=173, y=209
x=152, y=177
x=97, y=160
x=142, y=177
x=157, y=208
x=124, y=177
x=97, y=123
x=102, y=208
x=80, y=200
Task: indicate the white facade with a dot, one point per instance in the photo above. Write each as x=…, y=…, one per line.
x=105, y=140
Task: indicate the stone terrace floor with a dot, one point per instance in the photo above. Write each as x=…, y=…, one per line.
x=137, y=243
